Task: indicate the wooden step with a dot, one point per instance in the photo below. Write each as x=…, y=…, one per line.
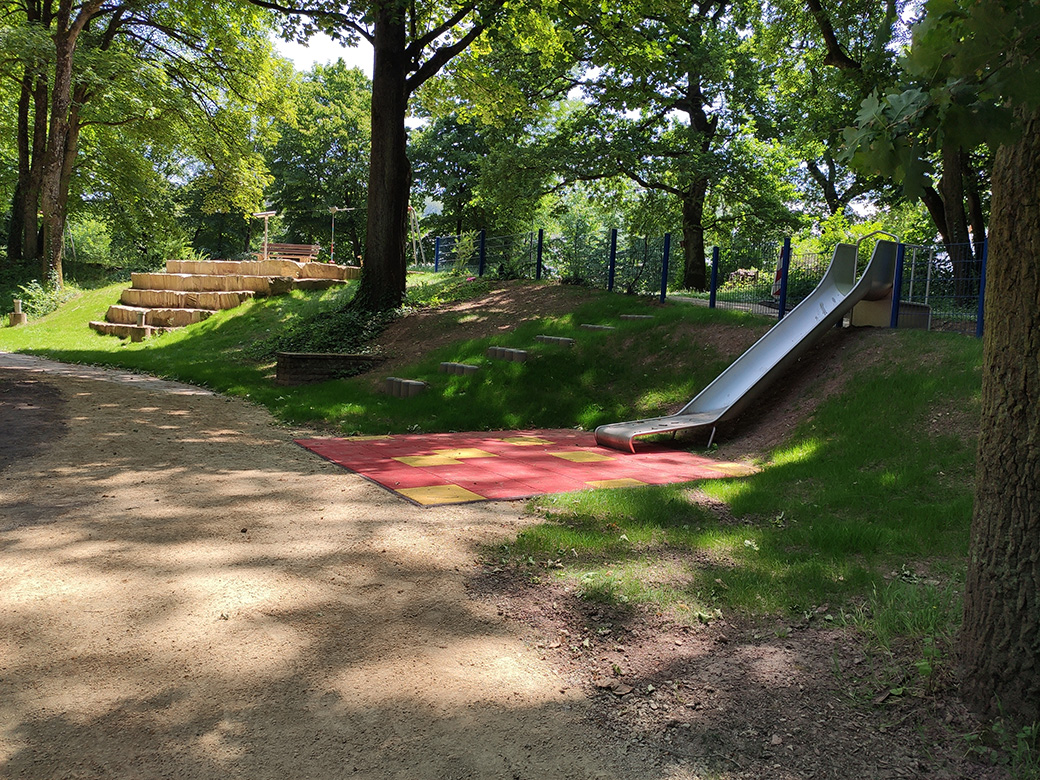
x=163, y=317
x=178, y=299
x=234, y=267
x=330, y=271
x=261, y=285
x=123, y=331
x=300, y=270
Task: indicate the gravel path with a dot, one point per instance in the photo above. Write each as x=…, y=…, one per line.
x=186, y=593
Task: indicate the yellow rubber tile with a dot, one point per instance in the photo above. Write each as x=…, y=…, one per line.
x=526, y=441
x=440, y=494
x=735, y=469
x=465, y=452
x=580, y=456
x=615, y=483
x=428, y=460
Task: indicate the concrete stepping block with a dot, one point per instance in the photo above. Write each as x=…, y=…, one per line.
x=505, y=353
x=460, y=369
x=561, y=340
x=404, y=388
x=637, y=316
x=589, y=326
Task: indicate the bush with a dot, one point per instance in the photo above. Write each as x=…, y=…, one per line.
x=343, y=330
x=38, y=300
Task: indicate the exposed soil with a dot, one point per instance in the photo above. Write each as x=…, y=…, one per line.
x=186, y=593
x=507, y=305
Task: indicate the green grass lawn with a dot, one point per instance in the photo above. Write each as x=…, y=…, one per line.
x=862, y=512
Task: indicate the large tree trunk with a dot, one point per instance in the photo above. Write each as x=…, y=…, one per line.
x=1000, y=641
x=702, y=134
x=958, y=243
x=389, y=181
x=52, y=205
x=694, y=266
x=31, y=131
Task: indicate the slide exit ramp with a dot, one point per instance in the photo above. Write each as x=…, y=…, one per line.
x=736, y=387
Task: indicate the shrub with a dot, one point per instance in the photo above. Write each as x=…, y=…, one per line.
x=39, y=300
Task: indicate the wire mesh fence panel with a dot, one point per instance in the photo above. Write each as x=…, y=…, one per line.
x=578, y=258
x=511, y=257
x=639, y=264
x=745, y=278
x=804, y=273
x=940, y=288
x=459, y=254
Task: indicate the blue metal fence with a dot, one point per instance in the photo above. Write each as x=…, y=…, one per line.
x=609, y=260
x=940, y=287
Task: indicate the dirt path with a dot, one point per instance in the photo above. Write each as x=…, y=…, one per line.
x=186, y=593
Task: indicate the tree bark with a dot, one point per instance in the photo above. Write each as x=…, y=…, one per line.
x=695, y=275
x=31, y=130
x=702, y=135
x=836, y=55
x=383, y=276
x=958, y=244
x=1000, y=640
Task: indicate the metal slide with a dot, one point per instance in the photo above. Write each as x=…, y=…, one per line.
x=736, y=387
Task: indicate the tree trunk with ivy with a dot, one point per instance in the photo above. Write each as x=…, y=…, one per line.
x=1000, y=640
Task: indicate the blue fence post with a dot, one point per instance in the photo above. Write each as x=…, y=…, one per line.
x=897, y=285
x=714, y=277
x=613, y=260
x=664, y=265
x=785, y=268
x=541, y=243
x=483, y=252
x=437, y=254
x=979, y=318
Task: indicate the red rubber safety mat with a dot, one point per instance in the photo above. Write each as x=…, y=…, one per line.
x=453, y=468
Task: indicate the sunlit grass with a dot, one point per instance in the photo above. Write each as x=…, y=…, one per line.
x=868, y=482
x=871, y=480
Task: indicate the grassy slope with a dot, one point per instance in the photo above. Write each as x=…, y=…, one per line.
x=873, y=482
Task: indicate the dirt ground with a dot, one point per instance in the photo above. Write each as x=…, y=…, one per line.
x=186, y=593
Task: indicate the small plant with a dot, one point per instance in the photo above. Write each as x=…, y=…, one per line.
x=465, y=249
x=1019, y=751
x=39, y=300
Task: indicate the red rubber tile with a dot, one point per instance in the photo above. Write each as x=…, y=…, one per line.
x=445, y=468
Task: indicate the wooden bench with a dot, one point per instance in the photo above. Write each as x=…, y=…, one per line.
x=301, y=253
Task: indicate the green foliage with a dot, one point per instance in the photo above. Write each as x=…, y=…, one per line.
x=343, y=330
x=89, y=242
x=1002, y=745
x=165, y=94
x=807, y=102
x=436, y=291
x=807, y=529
x=39, y=300
x=970, y=65
x=446, y=158
x=320, y=159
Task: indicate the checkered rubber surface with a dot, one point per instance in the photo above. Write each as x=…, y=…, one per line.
x=453, y=468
